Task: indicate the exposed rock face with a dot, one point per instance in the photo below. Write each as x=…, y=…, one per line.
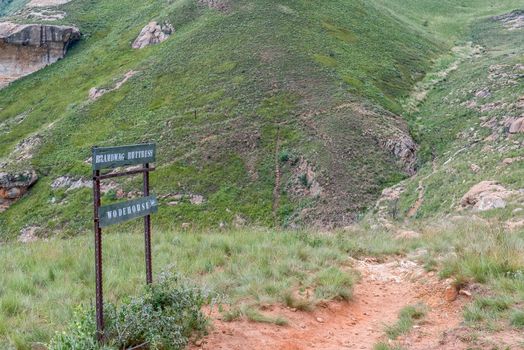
x=509, y=161
x=14, y=186
x=386, y=207
x=152, y=34
x=405, y=149
x=26, y=48
x=46, y=3
x=221, y=5
x=484, y=93
x=177, y=198
x=70, y=183
x=28, y=234
x=485, y=195
x=514, y=224
x=305, y=181
x=26, y=148
x=41, y=14
x=513, y=20
x=515, y=125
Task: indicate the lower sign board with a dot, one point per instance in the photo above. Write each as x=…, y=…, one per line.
x=120, y=212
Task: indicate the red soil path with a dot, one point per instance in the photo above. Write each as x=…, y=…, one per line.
x=385, y=288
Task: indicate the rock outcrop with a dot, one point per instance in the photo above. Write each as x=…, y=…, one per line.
x=28, y=234
x=46, y=3
x=405, y=149
x=221, y=5
x=513, y=20
x=153, y=33
x=515, y=125
x=26, y=48
x=70, y=184
x=14, y=186
x=485, y=195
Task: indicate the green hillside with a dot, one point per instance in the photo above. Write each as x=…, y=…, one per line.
x=275, y=112
x=10, y=6
x=462, y=126
x=228, y=96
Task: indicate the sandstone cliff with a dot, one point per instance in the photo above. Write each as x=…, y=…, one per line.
x=27, y=48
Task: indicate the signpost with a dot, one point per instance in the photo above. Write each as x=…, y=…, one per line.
x=103, y=216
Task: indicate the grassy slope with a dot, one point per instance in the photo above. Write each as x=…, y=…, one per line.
x=450, y=20
x=252, y=90
x=10, y=6
x=451, y=135
x=257, y=75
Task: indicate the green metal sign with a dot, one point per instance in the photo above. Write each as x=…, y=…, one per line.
x=112, y=157
x=124, y=211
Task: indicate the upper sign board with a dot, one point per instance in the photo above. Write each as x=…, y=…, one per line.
x=112, y=157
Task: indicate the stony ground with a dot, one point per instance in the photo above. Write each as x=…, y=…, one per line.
x=44, y=3
x=384, y=289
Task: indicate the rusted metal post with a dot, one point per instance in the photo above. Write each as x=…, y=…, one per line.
x=98, y=258
x=147, y=229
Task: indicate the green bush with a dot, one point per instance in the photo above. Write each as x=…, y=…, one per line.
x=284, y=156
x=163, y=317
x=80, y=334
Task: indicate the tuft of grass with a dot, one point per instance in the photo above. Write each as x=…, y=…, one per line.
x=517, y=318
x=407, y=317
x=256, y=316
x=385, y=346
x=301, y=304
x=488, y=311
x=333, y=283
x=232, y=315
x=10, y=305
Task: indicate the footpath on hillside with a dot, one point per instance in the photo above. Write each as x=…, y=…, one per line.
x=385, y=288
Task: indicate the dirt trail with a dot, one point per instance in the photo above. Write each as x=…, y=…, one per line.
x=418, y=203
x=385, y=288
x=278, y=175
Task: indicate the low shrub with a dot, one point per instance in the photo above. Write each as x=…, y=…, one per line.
x=164, y=317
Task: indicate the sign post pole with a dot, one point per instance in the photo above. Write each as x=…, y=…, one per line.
x=147, y=230
x=98, y=258
x=110, y=158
